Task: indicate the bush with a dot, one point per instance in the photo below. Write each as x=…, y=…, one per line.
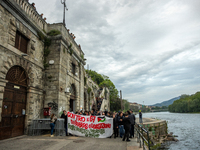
x=53, y=33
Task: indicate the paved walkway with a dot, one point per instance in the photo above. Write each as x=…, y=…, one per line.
x=70, y=142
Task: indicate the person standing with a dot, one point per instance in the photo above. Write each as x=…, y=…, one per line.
x=127, y=125
x=140, y=116
x=115, y=126
x=65, y=117
x=132, y=119
x=121, y=125
x=52, y=123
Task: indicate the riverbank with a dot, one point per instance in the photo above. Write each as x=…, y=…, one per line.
x=157, y=129
x=184, y=125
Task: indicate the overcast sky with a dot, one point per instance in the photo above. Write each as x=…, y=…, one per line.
x=149, y=49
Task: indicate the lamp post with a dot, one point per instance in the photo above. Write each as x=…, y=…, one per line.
x=121, y=99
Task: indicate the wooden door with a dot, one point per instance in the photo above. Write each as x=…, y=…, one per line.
x=14, y=104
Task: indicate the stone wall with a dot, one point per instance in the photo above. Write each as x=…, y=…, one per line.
x=10, y=23
x=157, y=129
x=59, y=76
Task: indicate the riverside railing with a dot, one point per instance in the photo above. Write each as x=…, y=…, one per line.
x=142, y=136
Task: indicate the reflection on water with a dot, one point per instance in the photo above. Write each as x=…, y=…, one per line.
x=185, y=126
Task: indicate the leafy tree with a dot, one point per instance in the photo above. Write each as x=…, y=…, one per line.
x=95, y=76
x=104, y=81
x=187, y=103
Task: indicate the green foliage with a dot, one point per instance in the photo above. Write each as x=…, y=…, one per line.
x=85, y=80
x=115, y=104
x=45, y=64
x=126, y=105
x=46, y=52
x=44, y=31
x=156, y=146
x=41, y=35
x=82, y=56
x=89, y=90
x=53, y=33
x=104, y=81
x=95, y=76
x=186, y=104
x=47, y=43
x=70, y=49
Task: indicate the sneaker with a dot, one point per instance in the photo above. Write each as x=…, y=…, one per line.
x=128, y=140
x=52, y=136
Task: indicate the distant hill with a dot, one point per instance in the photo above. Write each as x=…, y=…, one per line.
x=166, y=103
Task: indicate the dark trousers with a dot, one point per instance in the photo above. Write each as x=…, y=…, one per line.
x=65, y=129
x=132, y=131
x=126, y=135
x=115, y=132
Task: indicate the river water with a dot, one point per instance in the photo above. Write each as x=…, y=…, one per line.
x=185, y=125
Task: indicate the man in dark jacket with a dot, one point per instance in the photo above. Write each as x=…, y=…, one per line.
x=115, y=126
x=132, y=119
x=127, y=125
x=65, y=117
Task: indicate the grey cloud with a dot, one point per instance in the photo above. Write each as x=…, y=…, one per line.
x=149, y=49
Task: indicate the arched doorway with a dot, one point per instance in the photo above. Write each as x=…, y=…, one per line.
x=72, y=98
x=14, y=103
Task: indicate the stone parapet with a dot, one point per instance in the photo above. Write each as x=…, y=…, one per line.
x=157, y=128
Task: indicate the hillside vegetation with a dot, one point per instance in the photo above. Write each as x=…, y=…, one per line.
x=186, y=104
x=104, y=81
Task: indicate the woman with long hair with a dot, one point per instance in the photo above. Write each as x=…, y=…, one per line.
x=52, y=124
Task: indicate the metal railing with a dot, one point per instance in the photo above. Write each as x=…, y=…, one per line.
x=37, y=126
x=142, y=137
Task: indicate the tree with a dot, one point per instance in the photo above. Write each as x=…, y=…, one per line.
x=186, y=103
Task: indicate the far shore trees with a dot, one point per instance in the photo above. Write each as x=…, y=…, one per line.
x=186, y=104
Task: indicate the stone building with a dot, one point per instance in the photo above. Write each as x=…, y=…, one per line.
x=37, y=69
x=21, y=66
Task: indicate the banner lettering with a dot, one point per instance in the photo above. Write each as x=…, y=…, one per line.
x=90, y=126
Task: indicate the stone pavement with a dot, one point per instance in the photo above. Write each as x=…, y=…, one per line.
x=67, y=143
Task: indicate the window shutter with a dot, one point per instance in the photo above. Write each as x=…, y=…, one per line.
x=23, y=44
x=17, y=40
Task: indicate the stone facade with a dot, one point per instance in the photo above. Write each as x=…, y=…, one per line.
x=63, y=83
x=59, y=76
x=13, y=19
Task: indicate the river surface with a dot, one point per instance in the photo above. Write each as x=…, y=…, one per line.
x=185, y=125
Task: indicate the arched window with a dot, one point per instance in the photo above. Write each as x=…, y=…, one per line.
x=17, y=75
